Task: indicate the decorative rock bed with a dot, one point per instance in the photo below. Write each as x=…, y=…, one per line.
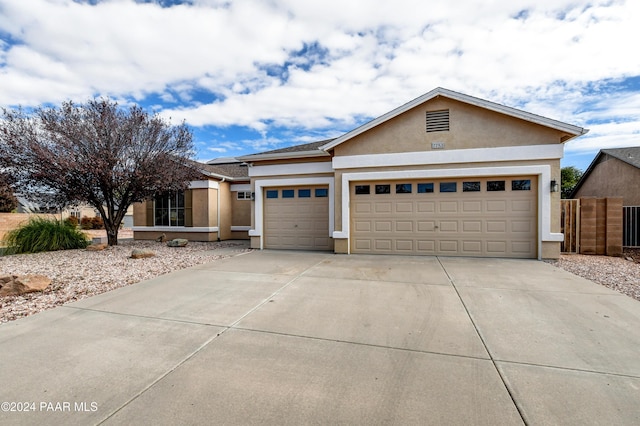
x=78, y=274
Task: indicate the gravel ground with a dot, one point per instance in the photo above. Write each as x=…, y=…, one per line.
x=617, y=273
x=78, y=274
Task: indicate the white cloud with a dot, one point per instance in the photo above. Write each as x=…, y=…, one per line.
x=378, y=55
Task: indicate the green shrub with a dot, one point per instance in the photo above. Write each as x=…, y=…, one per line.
x=41, y=234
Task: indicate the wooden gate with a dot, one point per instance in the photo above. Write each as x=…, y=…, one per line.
x=570, y=226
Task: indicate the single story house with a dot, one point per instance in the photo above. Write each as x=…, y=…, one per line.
x=612, y=173
x=217, y=207
x=445, y=174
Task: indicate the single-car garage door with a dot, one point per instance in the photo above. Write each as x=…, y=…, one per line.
x=485, y=217
x=297, y=218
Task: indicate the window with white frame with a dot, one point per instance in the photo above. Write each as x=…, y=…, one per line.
x=243, y=195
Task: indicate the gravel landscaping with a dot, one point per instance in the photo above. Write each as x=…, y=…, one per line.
x=78, y=274
x=617, y=273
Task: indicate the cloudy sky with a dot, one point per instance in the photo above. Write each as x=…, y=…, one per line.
x=254, y=75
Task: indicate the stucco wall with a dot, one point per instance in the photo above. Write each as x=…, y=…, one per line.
x=241, y=211
x=225, y=211
x=10, y=221
x=201, y=207
x=140, y=213
x=555, y=197
x=470, y=127
x=612, y=178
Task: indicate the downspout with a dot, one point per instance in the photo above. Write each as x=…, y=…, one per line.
x=218, y=209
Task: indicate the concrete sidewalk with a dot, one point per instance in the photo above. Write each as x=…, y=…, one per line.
x=276, y=337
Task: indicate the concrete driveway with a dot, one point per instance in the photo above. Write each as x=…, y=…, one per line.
x=305, y=338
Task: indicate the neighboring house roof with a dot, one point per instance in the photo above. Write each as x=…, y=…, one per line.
x=630, y=156
x=223, y=160
x=27, y=206
x=227, y=171
x=570, y=129
x=232, y=171
x=296, y=151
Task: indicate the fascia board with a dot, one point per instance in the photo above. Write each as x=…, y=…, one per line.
x=283, y=155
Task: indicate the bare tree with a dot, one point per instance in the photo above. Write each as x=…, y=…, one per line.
x=97, y=153
x=8, y=201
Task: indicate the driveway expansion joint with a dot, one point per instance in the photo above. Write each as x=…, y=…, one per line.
x=349, y=342
x=125, y=314
x=486, y=347
x=577, y=370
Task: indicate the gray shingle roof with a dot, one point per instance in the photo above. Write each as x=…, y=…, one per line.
x=232, y=170
x=628, y=155
x=298, y=148
x=235, y=171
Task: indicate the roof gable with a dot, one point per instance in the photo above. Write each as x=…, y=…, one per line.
x=630, y=156
x=570, y=129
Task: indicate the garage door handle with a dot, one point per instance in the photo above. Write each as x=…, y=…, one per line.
x=436, y=227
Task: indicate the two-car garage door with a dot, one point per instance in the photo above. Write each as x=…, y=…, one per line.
x=484, y=217
x=487, y=217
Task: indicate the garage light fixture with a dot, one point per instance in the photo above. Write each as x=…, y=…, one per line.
x=554, y=185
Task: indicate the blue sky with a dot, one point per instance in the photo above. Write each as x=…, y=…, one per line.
x=255, y=75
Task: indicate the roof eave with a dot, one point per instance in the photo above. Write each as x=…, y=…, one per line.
x=218, y=176
x=284, y=155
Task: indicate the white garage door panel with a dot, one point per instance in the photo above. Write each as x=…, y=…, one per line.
x=295, y=222
x=498, y=223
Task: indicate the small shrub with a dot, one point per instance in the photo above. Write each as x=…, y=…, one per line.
x=41, y=234
x=97, y=223
x=71, y=221
x=91, y=222
x=86, y=223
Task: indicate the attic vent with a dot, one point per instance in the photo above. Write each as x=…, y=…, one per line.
x=438, y=121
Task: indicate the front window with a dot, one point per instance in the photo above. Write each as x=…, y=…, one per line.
x=169, y=209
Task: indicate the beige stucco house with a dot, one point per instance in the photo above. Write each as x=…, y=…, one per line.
x=445, y=174
x=217, y=207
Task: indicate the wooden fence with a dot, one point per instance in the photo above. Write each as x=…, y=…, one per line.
x=570, y=225
x=592, y=226
x=10, y=221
